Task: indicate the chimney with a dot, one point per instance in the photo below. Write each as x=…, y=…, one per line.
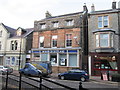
x=48, y=14
x=92, y=8
x=84, y=7
x=114, y=4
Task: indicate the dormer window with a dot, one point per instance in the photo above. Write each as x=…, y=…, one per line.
x=19, y=32
x=55, y=24
x=43, y=26
x=69, y=23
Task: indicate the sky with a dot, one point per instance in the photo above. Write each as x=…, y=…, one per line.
x=23, y=13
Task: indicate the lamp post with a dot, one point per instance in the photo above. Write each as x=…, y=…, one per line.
x=20, y=54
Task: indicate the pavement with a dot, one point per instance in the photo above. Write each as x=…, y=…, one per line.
x=92, y=78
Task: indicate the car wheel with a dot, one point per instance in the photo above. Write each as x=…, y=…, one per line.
x=82, y=79
x=62, y=77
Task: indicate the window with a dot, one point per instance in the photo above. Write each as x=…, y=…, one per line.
x=17, y=60
x=41, y=41
x=68, y=40
x=7, y=60
x=0, y=45
x=102, y=21
x=14, y=45
x=55, y=24
x=54, y=41
x=69, y=22
x=104, y=40
x=43, y=26
x=0, y=33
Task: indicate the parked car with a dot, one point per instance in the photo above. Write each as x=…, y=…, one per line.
x=30, y=70
x=74, y=74
x=4, y=69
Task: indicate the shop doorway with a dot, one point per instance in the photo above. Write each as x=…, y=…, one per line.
x=53, y=59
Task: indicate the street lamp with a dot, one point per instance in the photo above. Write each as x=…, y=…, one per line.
x=20, y=54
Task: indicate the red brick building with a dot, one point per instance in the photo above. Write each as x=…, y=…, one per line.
x=58, y=39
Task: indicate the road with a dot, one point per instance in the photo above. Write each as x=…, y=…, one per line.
x=90, y=85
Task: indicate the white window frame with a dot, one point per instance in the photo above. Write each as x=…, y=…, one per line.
x=102, y=21
x=56, y=24
x=69, y=22
x=98, y=40
x=43, y=26
x=54, y=39
x=41, y=40
x=70, y=40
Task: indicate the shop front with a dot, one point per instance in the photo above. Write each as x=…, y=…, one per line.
x=61, y=59
x=104, y=62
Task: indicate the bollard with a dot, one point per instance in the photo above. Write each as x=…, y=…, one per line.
x=7, y=80
x=20, y=81
x=80, y=85
x=40, y=87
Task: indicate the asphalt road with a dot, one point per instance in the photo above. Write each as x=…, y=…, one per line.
x=90, y=85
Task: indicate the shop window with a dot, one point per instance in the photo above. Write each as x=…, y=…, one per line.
x=62, y=60
x=44, y=57
x=53, y=59
x=41, y=41
x=68, y=40
x=104, y=40
x=73, y=60
x=102, y=21
x=7, y=60
x=17, y=60
x=54, y=41
x=12, y=60
x=36, y=56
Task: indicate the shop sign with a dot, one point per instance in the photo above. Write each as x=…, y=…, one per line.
x=51, y=51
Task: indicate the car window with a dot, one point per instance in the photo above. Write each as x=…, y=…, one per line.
x=26, y=66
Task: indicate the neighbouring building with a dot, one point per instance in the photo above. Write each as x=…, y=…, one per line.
x=58, y=39
x=15, y=45
x=104, y=40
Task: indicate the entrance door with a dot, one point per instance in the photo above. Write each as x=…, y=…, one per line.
x=53, y=59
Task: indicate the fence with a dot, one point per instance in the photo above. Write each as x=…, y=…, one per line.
x=22, y=82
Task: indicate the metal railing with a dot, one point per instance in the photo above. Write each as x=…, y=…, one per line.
x=24, y=82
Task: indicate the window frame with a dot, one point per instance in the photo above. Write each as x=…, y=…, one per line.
x=54, y=40
x=110, y=41
x=41, y=45
x=102, y=21
x=70, y=22
x=43, y=26
x=68, y=41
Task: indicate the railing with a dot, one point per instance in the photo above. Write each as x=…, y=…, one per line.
x=23, y=82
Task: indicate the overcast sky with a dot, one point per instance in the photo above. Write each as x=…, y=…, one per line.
x=23, y=13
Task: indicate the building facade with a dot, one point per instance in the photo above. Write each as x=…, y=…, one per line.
x=14, y=44
x=57, y=39
x=104, y=40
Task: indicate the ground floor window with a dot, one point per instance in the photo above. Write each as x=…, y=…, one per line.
x=73, y=60
x=12, y=60
x=44, y=57
x=53, y=59
x=63, y=60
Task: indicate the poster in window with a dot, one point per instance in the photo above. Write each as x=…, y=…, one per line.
x=13, y=60
x=63, y=62
x=53, y=60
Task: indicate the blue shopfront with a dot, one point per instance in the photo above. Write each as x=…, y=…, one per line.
x=59, y=58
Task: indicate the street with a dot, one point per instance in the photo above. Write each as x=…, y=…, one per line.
x=90, y=85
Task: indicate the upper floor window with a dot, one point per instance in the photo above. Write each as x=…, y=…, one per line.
x=55, y=24
x=104, y=40
x=41, y=41
x=68, y=40
x=0, y=33
x=43, y=26
x=69, y=23
x=102, y=21
x=14, y=45
x=54, y=41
